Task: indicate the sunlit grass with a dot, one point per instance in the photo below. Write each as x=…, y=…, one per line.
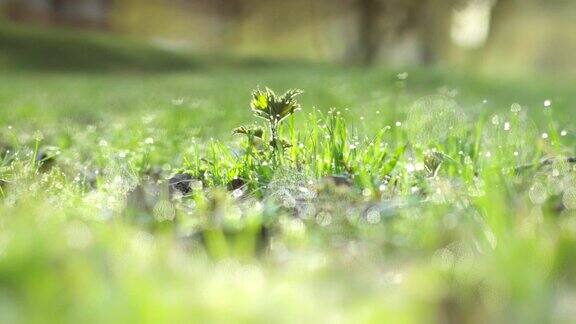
x=394, y=197
x=444, y=214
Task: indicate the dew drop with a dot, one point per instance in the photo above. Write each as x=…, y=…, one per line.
x=569, y=198
x=538, y=193
x=495, y=120
x=164, y=210
x=410, y=168
x=324, y=218
x=237, y=193
x=177, y=101
x=373, y=215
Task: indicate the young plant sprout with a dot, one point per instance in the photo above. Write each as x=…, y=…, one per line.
x=267, y=105
x=254, y=135
x=250, y=131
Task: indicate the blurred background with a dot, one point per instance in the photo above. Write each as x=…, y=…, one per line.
x=493, y=36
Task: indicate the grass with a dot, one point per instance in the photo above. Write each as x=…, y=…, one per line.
x=396, y=201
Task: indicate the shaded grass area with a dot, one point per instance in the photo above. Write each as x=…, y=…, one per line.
x=37, y=49
x=30, y=48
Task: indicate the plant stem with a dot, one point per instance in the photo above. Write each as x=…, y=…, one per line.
x=275, y=140
x=544, y=162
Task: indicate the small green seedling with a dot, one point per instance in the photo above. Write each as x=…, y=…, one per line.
x=274, y=109
x=250, y=131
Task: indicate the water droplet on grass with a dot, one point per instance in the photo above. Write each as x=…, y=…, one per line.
x=373, y=215
x=495, y=120
x=569, y=198
x=434, y=119
x=538, y=193
x=237, y=193
x=164, y=211
x=323, y=218
x=410, y=168
x=177, y=101
x=515, y=134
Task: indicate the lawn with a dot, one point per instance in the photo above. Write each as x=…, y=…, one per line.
x=402, y=196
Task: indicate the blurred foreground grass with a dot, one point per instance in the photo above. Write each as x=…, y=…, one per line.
x=450, y=233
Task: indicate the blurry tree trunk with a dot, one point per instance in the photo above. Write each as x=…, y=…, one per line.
x=86, y=13
x=230, y=14
x=388, y=20
x=57, y=11
x=434, y=20
x=364, y=48
x=368, y=35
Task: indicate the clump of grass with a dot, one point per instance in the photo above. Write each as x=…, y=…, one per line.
x=320, y=145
